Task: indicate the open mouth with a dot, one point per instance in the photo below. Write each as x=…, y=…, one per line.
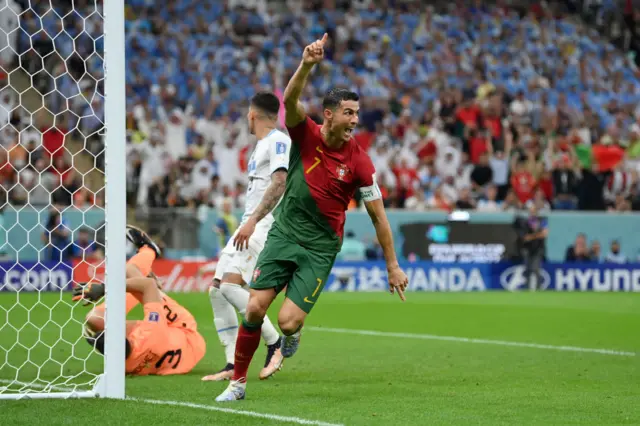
x=348, y=133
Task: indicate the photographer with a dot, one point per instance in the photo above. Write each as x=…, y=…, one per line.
x=533, y=246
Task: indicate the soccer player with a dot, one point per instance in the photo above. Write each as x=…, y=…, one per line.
x=326, y=168
x=267, y=170
x=167, y=340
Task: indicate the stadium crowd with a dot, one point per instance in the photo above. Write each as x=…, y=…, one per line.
x=487, y=105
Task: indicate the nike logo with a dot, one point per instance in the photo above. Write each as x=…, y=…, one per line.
x=306, y=299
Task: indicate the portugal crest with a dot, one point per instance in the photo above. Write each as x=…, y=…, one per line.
x=342, y=170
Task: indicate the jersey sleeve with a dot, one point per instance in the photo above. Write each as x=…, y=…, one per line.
x=369, y=190
x=279, y=150
x=154, y=313
x=299, y=131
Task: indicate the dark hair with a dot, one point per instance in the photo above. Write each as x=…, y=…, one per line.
x=266, y=102
x=98, y=344
x=334, y=97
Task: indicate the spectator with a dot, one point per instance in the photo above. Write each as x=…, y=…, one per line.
x=595, y=252
x=540, y=202
x=614, y=255
x=482, y=173
x=490, y=202
x=522, y=181
x=352, y=249
x=499, y=162
x=465, y=202
x=579, y=251
x=438, y=201
x=227, y=223
x=534, y=247
x=154, y=162
x=374, y=251
x=84, y=247
x=417, y=202
x=511, y=202
x=56, y=238
x=565, y=182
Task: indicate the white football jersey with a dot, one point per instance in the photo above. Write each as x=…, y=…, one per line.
x=270, y=154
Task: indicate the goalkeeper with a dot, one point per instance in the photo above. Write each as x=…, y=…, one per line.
x=166, y=341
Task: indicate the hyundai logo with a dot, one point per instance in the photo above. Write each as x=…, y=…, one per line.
x=513, y=279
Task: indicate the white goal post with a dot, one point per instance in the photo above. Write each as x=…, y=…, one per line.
x=43, y=353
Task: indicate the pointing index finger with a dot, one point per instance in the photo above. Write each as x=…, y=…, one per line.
x=401, y=294
x=324, y=39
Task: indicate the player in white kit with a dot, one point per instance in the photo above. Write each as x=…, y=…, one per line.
x=267, y=170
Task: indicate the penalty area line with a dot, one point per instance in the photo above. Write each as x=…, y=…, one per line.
x=275, y=417
x=472, y=340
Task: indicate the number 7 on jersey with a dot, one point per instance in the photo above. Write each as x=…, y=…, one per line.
x=316, y=162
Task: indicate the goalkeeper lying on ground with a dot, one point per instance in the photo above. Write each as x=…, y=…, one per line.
x=166, y=341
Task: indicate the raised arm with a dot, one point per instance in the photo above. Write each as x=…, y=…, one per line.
x=313, y=54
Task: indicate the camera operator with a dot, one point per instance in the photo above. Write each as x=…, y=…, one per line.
x=533, y=246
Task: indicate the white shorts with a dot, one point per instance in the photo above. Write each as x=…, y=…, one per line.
x=242, y=262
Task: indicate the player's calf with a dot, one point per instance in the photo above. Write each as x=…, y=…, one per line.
x=259, y=302
x=290, y=319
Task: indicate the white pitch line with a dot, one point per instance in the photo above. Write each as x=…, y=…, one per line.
x=276, y=417
x=471, y=340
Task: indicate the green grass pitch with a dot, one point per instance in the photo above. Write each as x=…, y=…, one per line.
x=359, y=379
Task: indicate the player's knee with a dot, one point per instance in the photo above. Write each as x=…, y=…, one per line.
x=256, y=309
x=288, y=322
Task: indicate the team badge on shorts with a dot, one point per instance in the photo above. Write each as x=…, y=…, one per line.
x=342, y=171
x=154, y=316
x=256, y=274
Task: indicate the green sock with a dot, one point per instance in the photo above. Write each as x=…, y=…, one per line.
x=250, y=326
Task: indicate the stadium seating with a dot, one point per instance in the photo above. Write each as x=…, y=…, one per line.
x=459, y=101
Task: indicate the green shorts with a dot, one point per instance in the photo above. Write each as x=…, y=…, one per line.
x=283, y=262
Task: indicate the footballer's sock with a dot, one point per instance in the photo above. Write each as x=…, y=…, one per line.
x=239, y=298
x=225, y=320
x=248, y=341
x=143, y=260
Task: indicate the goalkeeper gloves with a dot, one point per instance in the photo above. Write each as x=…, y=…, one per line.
x=88, y=292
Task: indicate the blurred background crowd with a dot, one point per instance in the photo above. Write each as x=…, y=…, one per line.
x=487, y=105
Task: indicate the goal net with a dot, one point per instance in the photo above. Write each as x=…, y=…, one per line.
x=62, y=189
